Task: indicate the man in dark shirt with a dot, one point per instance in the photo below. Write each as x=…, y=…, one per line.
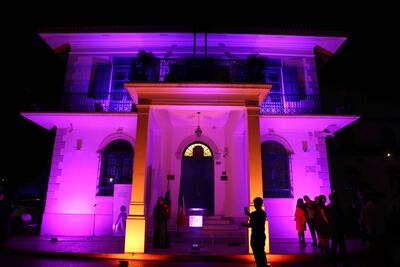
x=310, y=215
x=257, y=225
x=337, y=225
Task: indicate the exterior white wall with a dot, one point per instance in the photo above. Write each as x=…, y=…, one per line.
x=235, y=156
x=72, y=184
x=303, y=144
x=73, y=180
x=74, y=175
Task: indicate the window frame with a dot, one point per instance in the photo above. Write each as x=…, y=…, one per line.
x=277, y=192
x=104, y=187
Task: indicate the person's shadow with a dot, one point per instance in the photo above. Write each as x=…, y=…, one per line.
x=120, y=224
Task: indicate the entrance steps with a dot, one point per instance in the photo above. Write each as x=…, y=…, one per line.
x=216, y=229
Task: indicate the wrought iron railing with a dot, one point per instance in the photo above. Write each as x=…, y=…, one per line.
x=291, y=104
x=199, y=69
x=103, y=102
x=273, y=104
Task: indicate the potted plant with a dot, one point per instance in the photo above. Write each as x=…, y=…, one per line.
x=146, y=60
x=98, y=107
x=255, y=69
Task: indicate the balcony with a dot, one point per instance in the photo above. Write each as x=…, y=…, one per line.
x=252, y=70
x=192, y=69
x=273, y=104
x=104, y=102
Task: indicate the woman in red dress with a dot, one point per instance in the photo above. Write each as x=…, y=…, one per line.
x=301, y=219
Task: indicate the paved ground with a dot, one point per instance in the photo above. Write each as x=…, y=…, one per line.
x=83, y=251
x=17, y=260
x=111, y=244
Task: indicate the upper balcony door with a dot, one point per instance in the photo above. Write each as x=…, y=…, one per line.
x=122, y=73
x=274, y=101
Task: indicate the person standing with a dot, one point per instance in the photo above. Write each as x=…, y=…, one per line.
x=160, y=217
x=357, y=205
x=322, y=224
x=337, y=225
x=257, y=225
x=4, y=219
x=374, y=219
x=300, y=218
x=310, y=214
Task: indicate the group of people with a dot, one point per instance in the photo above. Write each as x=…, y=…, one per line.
x=325, y=222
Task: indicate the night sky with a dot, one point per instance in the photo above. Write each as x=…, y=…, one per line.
x=361, y=65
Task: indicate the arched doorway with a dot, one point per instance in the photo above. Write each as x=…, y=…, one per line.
x=197, y=180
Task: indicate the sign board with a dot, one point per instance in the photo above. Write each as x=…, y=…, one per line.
x=196, y=221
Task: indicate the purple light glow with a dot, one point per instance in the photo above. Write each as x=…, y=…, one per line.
x=73, y=180
x=181, y=44
x=171, y=131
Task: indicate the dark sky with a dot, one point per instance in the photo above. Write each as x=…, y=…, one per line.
x=360, y=65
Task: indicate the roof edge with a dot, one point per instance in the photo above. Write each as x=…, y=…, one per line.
x=187, y=29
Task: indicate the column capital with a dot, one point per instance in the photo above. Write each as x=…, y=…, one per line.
x=253, y=111
x=143, y=106
x=252, y=104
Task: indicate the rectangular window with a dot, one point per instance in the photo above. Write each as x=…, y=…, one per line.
x=122, y=73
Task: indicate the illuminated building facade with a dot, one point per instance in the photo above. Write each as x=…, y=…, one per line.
x=220, y=118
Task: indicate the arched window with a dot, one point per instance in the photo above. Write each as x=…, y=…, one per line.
x=116, y=166
x=275, y=171
x=191, y=148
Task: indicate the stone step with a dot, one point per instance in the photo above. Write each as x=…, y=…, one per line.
x=221, y=227
x=217, y=234
x=212, y=227
x=216, y=222
x=209, y=240
x=215, y=227
x=213, y=217
x=205, y=236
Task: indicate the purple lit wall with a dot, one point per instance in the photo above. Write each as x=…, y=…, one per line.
x=74, y=173
x=72, y=207
x=303, y=138
x=72, y=185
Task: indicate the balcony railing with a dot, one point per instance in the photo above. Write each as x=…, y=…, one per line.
x=199, y=69
x=291, y=104
x=273, y=104
x=104, y=102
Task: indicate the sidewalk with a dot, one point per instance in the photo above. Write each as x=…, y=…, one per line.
x=282, y=250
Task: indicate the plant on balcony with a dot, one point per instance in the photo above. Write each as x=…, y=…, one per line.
x=255, y=69
x=134, y=107
x=98, y=107
x=146, y=60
